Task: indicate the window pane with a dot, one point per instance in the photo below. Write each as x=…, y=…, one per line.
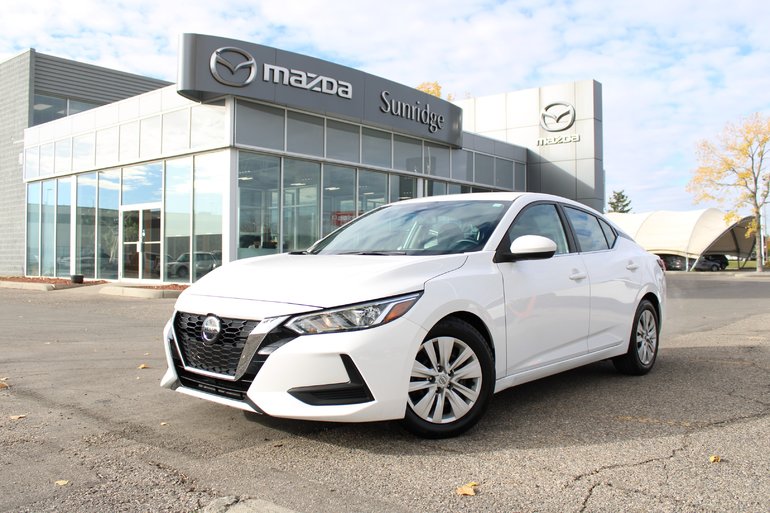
x=32, y=162
x=178, y=206
x=48, y=108
x=462, y=165
x=149, y=137
x=63, y=209
x=46, y=159
x=521, y=177
x=342, y=141
x=208, y=125
x=339, y=197
x=436, y=188
x=107, y=147
x=176, y=131
x=301, y=203
x=76, y=106
x=402, y=187
x=372, y=190
x=85, y=222
x=436, y=160
x=142, y=184
x=484, y=169
x=375, y=147
x=211, y=175
x=33, y=229
x=48, y=229
x=589, y=234
x=258, y=195
x=108, y=219
x=259, y=125
x=129, y=141
x=540, y=220
x=609, y=233
x=504, y=174
x=304, y=134
x=83, y=151
x=63, y=158
x=407, y=154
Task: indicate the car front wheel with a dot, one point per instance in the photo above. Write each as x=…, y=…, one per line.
x=643, y=346
x=452, y=381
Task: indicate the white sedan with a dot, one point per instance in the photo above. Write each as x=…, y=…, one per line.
x=419, y=310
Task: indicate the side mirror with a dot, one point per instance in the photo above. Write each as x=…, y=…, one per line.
x=528, y=247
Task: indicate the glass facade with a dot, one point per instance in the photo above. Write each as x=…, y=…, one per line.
x=168, y=194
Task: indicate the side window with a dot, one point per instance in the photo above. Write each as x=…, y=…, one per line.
x=588, y=231
x=609, y=233
x=543, y=220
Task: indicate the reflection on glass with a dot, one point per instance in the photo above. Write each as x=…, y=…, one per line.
x=48, y=108
x=436, y=188
x=342, y=141
x=259, y=125
x=485, y=169
x=63, y=159
x=142, y=184
x=149, y=137
x=520, y=177
x=402, y=187
x=83, y=151
x=85, y=225
x=258, y=185
x=372, y=190
x=407, y=154
x=63, y=208
x=436, y=160
x=48, y=229
x=108, y=219
x=46, y=159
x=301, y=196
x=208, y=125
x=178, y=206
x=129, y=141
x=33, y=229
x=376, y=149
x=176, y=131
x=304, y=134
x=504, y=174
x=32, y=162
x=339, y=197
x=462, y=165
x=210, y=176
x=107, y=146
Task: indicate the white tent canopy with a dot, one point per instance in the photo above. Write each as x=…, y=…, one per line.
x=690, y=234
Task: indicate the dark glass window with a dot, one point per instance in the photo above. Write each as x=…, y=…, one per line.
x=589, y=233
x=540, y=219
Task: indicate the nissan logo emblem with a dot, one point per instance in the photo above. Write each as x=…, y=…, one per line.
x=212, y=326
x=557, y=117
x=232, y=62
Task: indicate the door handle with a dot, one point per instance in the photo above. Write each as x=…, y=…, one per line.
x=632, y=266
x=577, y=275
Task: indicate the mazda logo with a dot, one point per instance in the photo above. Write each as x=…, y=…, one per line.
x=557, y=117
x=232, y=66
x=212, y=326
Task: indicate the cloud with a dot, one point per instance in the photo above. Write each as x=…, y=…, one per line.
x=672, y=72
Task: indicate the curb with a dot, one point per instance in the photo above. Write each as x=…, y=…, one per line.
x=119, y=290
x=45, y=287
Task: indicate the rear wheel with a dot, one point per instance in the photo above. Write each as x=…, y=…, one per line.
x=451, y=383
x=643, y=346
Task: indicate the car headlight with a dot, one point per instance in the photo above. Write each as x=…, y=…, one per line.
x=355, y=317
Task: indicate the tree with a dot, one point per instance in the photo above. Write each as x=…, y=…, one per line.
x=733, y=172
x=619, y=202
x=434, y=89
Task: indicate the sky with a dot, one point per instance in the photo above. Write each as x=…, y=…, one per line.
x=673, y=72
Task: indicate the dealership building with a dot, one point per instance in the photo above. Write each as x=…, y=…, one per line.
x=253, y=151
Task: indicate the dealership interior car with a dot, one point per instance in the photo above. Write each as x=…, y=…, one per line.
x=419, y=310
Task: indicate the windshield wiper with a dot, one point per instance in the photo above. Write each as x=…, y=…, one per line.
x=303, y=252
x=375, y=253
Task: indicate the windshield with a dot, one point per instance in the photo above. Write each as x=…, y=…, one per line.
x=437, y=228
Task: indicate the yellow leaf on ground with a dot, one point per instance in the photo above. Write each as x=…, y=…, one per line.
x=62, y=482
x=164, y=423
x=467, y=489
x=715, y=459
x=18, y=417
x=4, y=385
x=143, y=366
x=4, y=379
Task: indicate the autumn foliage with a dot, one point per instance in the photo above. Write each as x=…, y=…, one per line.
x=733, y=170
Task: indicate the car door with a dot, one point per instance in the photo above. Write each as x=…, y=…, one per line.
x=546, y=301
x=615, y=273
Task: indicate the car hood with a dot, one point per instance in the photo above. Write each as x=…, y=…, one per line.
x=321, y=281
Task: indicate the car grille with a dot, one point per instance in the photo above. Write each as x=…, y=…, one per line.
x=220, y=357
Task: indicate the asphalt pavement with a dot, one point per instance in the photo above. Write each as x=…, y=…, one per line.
x=85, y=427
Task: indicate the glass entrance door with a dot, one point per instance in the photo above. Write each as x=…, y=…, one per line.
x=141, y=244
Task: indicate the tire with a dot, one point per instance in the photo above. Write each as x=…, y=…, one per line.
x=182, y=272
x=643, y=344
x=441, y=403
x=715, y=267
